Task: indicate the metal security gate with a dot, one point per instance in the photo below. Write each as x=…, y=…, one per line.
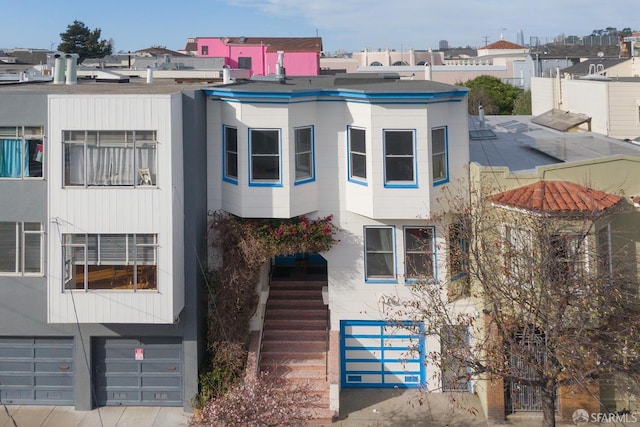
x=522, y=396
x=380, y=354
x=36, y=371
x=138, y=372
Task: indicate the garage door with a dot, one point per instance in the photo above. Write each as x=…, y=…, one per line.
x=36, y=371
x=138, y=371
x=378, y=354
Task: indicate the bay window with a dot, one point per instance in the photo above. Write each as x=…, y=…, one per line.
x=399, y=158
x=304, y=154
x=265, y=156
x=419, y=253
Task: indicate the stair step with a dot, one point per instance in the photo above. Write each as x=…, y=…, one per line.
x=295, y=293
x=303, y=335
x=297, y=283
x=307, y=373
x=294, y=346
x=281, y=303
x=293, y=325
x=285, y=358
x=294, y=314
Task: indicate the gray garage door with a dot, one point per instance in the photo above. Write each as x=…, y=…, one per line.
x=138, y=371
x=36, y=371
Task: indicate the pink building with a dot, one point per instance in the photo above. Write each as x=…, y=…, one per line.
x=260, y=54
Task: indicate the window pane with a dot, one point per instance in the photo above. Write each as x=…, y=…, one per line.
x=110, y=166
x=35, y=157
x=265, y=155
x=398, y=143
x=32, y=252
x=8, y=247
x=358, y=166
x=231, y=148
x=357, y=140
x=265, y=168
x=379, y=253
x=439, y=154
x=304, y=157
x=264, y=142
x=73, y=164
x=146, y=163
x=419, y=253
x=399, y=161
x=11, y=159
x=439, y=167
x=113, y=249
x=399, y=169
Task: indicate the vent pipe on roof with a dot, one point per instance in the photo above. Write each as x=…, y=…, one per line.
x=427, y=71
x=149, y=75
x=58, y=72
x=226, y=75
x=280, y=71
x=72, y=68
x=481, y=116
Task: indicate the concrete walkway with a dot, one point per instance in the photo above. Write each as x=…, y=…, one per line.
x=111, y=416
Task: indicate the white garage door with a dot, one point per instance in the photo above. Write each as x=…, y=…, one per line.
x=380, y=354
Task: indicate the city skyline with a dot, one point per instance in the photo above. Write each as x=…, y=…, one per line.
x=343, y=26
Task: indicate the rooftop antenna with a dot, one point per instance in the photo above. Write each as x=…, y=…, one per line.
x=502, y=33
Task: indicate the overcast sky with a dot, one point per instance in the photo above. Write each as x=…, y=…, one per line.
x=349, y=25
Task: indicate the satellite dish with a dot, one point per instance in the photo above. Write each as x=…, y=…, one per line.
x=600, y=54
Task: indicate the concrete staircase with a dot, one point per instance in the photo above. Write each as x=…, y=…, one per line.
x=295, y=340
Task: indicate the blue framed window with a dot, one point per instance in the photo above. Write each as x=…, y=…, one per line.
x=356, y=141
x=399, y=158
x=439, y=155
x=230, y=159
x=304, y=153
x=380, y=254
x=264, y=160
x=419, y=253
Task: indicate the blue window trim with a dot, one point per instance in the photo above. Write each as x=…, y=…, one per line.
x=274, y=183
x=435, y=252
x=355, y=180
x=446, y=155
x=421, y=374
x=400, y=184
x=385, y=280
x=312, y=178
x=226, y=178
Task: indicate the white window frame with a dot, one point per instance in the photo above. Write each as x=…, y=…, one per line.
x=385, y=278
x=24, y=134
x=440, y=156
x=431, y=251
x=142, y=175
x=390, y=156
x=20, y=247
x=265, y=182
x=227, y=153
x=302, y=175
x=353, y=154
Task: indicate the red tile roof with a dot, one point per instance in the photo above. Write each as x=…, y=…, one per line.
x=556, y=197
x=503, y=44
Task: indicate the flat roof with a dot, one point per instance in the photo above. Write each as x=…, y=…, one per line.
x=522, y=146
x=357, y=82
x=134, y=86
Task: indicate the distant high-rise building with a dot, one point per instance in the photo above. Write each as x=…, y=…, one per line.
x=443, y=45
x=520, y=36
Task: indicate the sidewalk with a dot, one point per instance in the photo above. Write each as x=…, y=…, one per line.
x=110, y=416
